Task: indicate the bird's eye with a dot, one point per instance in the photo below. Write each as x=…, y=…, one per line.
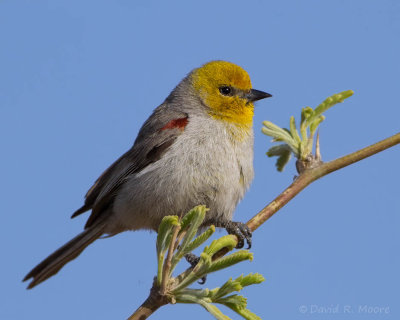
x=225, y=90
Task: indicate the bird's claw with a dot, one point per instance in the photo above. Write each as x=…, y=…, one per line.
x=241, y=231
x=193, y=261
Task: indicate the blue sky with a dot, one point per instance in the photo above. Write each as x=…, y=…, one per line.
x=77, y=80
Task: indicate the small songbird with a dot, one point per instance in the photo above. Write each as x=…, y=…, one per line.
x=195, y=148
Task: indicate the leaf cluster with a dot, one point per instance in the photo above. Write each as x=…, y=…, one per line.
x=299, y=143
x=176, y=238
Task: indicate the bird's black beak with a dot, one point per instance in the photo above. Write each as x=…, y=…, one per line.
x=255, y=95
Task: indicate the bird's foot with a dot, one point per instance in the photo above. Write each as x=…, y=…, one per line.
x=193, y=261
x=241, y=231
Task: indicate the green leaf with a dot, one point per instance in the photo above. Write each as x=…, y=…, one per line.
x=252, y=278
x=196, y=273
x=188, y=217
x=240, y=302
x=245, y=313
x=278, y=134
x=293, y=130
x=198, y=241
x=288, y=131
x=314, y=125
x=214, y=310
x=274, y=127
x=306, y=114
x=205, y=303
x=331, y=101
x=227, y=241
x=206, y=266
x=278, y=150
x=164, y=231
x=284, y=153
x=191, y=222
x=198, y=293
x=227, y=288
x=229, y=260
x=283, y=160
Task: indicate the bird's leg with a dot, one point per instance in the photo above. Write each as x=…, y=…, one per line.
x=194, y=260
x=239, y=229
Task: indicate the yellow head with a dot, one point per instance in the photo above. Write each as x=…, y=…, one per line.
x=226, y=89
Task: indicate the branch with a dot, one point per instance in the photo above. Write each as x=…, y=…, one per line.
x=310, y=175
x=155, y=300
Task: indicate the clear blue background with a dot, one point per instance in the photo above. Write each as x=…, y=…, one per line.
x=77, y=80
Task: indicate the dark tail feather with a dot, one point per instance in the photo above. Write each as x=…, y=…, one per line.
x=69, y=251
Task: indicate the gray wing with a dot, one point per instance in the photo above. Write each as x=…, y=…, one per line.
x=157, y=134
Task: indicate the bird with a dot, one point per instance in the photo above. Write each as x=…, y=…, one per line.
x=195, y=148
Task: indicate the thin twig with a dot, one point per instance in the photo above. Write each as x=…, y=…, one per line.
x=167, y=264
x=179, y=239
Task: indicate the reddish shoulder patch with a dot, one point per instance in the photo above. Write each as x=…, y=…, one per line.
x=179, y=123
